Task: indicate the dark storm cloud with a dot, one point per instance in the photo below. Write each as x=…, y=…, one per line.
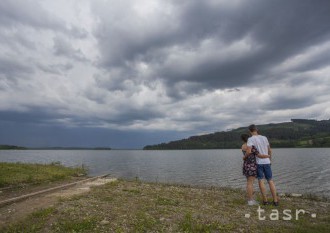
x=288, y=102
x=272, y=32
x=33, y=116
x=42, y=116
x=37, y=128
x=280, y=28
x=39, y=136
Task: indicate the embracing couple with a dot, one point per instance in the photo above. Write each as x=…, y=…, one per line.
x=257, y=163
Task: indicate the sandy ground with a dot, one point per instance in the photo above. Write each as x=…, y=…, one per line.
x=18, y=210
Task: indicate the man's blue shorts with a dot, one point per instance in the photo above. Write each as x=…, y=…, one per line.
x=264, y=170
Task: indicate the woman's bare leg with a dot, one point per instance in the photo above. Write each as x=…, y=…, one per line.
x=249, y=187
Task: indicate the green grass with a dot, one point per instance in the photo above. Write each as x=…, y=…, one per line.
x=84, y=225
x=34, y=222
x=13, y=174
x=191, y=224
x=166, y=201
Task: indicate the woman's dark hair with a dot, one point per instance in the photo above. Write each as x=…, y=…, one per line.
x=245, y=137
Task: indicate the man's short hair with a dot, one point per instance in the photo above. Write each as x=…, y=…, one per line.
x=253, y=128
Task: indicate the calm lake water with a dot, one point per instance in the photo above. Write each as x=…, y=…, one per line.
x=294, y=170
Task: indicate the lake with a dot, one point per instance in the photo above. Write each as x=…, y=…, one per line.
x=294, y=170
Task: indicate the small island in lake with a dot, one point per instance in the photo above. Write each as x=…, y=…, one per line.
x=11, y=147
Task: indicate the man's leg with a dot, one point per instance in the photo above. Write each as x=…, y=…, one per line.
x=262, y=189
x=273, y=190
x=260, y=176
x=269, y=178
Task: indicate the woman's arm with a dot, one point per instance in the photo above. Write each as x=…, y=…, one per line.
x=245, y=156
x=244, y=148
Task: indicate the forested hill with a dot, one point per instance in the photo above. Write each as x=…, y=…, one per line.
x=297, y=133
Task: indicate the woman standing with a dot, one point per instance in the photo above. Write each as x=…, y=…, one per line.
x=249, y=169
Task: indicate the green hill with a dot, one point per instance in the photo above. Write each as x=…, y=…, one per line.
x=298, y=133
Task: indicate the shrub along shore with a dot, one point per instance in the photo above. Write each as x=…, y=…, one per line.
x=136, y=206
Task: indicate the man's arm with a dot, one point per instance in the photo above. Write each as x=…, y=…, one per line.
x=270, y=152
x=249, y=151
x=263, y=156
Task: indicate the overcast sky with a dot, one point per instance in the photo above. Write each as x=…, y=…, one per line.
x=129, y=73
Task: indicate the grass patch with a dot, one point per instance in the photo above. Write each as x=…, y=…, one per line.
x=133, y=191
x=135, y=206
x=143, y=222
x=13, y=174
x=34, y=222
x=190, y=224
x=167, y=201
x=84, y=225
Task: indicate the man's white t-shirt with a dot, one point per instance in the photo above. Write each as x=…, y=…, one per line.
x=261, y=143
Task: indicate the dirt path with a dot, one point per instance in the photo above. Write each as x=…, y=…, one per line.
x=18, y=210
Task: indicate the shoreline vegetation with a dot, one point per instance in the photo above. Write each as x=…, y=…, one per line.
x=23, y=174
x=138, y=206
x=12, y=147
x=299, y=133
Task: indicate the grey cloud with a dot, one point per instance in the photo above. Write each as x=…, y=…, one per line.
x=62, y=47
x=12, y=69
x=131, y=114
x=27, y=12
x=55, y=68
x=16, y=40
x=319, y=61
x=78, y=32
x=16, y=13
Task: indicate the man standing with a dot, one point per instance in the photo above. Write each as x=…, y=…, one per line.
x=263, y=164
